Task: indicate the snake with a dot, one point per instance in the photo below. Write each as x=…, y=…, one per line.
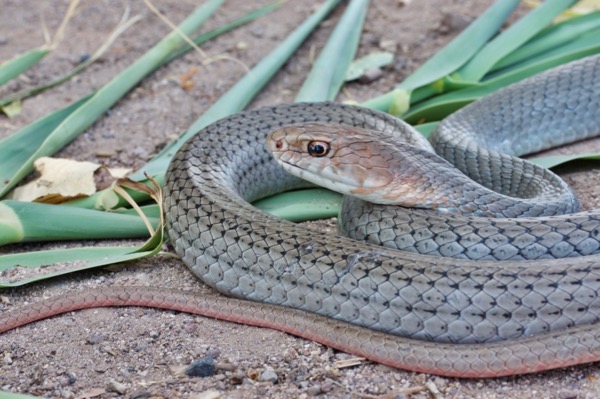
x=466, y=315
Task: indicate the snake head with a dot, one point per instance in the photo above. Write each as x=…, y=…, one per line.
x=349, y=160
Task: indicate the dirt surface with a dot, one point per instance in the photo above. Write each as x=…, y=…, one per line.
x=135, y=352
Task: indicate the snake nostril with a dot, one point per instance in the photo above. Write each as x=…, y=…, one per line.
x=279, y=144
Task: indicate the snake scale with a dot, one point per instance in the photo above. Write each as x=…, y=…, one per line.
x=455, y=317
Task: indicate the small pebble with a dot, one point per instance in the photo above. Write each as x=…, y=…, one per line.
x=327, y=386
x=140, y=395
x=83, y=58
x=115, y=386
x=214, y=353
x=94, y=339
x=440, y=382
x=269, y=375
x=7, y=359
x=451, y=23
x=204, y=367
x=388, y=45
x=314, y=390
x=568, y=394
x=190, y=327
x=211, y=394
x=66, y=394
x=258, y=32
x=370, y=75
x=237, y=378
x=140, y=347
x=67, y=379
x=101, y=368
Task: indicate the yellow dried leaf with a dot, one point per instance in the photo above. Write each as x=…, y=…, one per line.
x=586, y=6
x=119, y=172
x=11, y=109
x=60, y=180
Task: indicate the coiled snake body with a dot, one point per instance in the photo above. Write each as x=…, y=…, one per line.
x=420, y=312
x=245, y=253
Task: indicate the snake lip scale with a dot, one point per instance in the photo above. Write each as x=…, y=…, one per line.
x=447, y=316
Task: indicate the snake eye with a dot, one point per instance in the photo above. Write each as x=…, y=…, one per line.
x=318, y=148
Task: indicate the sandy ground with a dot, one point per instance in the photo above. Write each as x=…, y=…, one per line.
x=134, y=352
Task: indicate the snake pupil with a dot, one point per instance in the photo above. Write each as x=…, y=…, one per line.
x=318, y=148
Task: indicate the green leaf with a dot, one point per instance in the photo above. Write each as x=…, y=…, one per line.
x=441, y=106
x=22, y=62
x=79, y=259
x=88, y=111
x=326, y=77
x=512, y=38
x=11, y=395
x=426, y=128
x=11, y=109
x=302, y=205
x=323, y=83
x=456, y=53
x=370, y=61
x=236, y=98
x=551, y=38
x=32, y=221
x=21, y=145
x=556, y=160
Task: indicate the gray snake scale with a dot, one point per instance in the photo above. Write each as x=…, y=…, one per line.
x=246, y=253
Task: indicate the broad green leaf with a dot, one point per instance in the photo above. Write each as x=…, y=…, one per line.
x=32, y=221
x=426, y=128
x=302, y=205
x=582, y=46
x=556, y=160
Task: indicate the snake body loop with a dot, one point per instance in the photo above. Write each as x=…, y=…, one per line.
x=246, y=253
